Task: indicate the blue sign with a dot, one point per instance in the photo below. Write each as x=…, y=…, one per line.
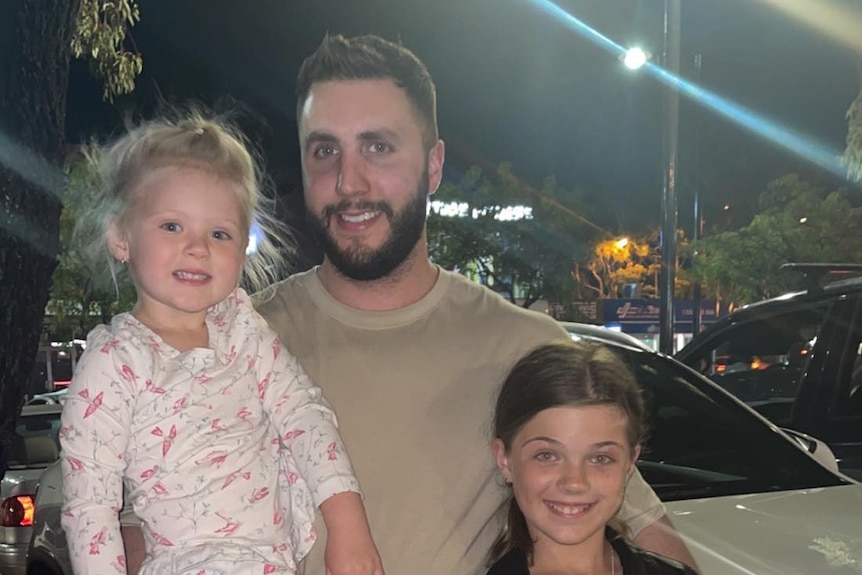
x=642, y=315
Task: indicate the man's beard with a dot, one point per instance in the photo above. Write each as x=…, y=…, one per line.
x=361, y=263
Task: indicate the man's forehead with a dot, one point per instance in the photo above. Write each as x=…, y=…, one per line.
x=338, y=106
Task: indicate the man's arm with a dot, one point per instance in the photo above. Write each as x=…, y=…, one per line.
x=133, y=540
x=661, y=538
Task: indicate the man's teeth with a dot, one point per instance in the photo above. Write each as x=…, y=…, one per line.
x=355, y=219
x=568, y=509
x=191, y=276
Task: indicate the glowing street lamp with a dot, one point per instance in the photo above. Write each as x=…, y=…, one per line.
x=634, y=58
x=621, y=243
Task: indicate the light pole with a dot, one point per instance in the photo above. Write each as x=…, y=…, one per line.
x=634, y=58
x=667, y=277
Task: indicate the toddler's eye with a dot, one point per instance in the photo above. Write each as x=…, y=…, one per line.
x=221, y=235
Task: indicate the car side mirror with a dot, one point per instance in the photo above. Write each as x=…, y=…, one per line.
x=818, y=450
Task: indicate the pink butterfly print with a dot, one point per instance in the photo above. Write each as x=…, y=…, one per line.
x=147, y=473
x=258, y=494
x=233, y=476
x=128, y=374
x=181, y=404
x=121, y=561
x=332, y=451
x=75, y=464
x=292, y=477
x=97, y=540
x=277, y=518
x=65, y=430
x=231, y=355
x=156, y=346
x=219, y=320
x=293, y=434
x=251, y=361
x=276, y=348
x=268, y=568
x=262, y=385
x=153, y=388
x=216, y=425
x=168, y=441
x=109, y=345
x=93, y=404
x=243, y=413
x=280, y=547
x=161, y=540
x=160, y=489
x=215, y=458
x=203, y=378
x=230, y=527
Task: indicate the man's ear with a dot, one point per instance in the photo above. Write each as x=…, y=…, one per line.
x=502, y=459
x=436, y=157
x=118, y=245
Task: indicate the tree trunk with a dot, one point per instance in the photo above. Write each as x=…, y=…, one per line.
x=34, y=68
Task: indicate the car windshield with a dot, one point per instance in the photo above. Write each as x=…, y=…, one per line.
x=704, y=443
x=36, y=440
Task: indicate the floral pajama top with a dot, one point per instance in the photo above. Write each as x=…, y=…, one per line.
x=225, y=452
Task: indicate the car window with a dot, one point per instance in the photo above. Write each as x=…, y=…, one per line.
x=762, y=361
x=703, y=443
x=848, y=394
x=36, y=440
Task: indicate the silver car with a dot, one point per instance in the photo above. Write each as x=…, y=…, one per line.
x=34, y=447
x=747, y=497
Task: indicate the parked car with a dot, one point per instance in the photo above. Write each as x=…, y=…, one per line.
x=34, y=447
x=51, y=397
x=796, y=359
x=747, y=497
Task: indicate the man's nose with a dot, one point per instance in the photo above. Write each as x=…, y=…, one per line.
x=352, y=178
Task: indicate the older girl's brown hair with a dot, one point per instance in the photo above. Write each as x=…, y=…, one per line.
x=566, y=373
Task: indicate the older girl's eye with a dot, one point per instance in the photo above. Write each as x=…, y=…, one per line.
x=545, y=456
x=171, y=227
x=603, y=459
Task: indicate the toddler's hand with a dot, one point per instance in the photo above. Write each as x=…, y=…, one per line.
x=350, y=550
x=352, y=553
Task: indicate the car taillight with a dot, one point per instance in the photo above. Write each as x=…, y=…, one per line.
x=17, y=511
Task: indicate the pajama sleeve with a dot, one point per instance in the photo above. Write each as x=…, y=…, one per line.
x=94, y=435
x=304, y=420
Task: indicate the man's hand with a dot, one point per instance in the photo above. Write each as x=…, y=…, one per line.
x=350, y=549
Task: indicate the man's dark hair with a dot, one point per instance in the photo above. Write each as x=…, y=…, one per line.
x=371, y=58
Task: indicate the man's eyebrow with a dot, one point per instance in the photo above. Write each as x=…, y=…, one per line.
x=316, y=136
x=381, y=134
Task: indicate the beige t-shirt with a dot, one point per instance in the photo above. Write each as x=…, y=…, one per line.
x=414, y=390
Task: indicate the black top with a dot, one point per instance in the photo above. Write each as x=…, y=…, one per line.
x=634, y=561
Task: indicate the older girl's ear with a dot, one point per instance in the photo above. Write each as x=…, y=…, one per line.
x=502, y=459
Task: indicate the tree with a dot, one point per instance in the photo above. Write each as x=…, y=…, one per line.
x=852, y=158
x=36, y=43
x=82, y=295
x=518, y=241
x=796, y=223
x=616, y=262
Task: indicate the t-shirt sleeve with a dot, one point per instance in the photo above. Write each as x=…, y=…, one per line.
x=641, y=506
x=305, y=421
x=94, y=436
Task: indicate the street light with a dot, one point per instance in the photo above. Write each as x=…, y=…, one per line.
x=634, y=58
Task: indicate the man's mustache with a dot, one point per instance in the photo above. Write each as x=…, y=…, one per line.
x=357, y=206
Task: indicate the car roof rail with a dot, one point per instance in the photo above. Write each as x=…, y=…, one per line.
x=812, y=273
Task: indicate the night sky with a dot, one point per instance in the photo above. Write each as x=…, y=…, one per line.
x=516, y=84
